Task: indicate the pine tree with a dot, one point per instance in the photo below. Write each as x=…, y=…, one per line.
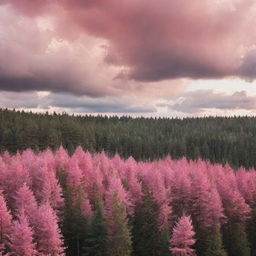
x=235, y=239
x=5, y=224
x=251, y=228
x=237, y=211
x=77, y=209
x=96, y=240
x=207, y=214
x=25, y=202
x=182, y=237
x=47, y=233
x=145, y=230
x=119, y=235
x=21, y=238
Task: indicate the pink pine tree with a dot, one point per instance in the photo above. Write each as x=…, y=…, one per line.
x=61, y=159
x=11, y=185
x=74, y=173
x=41, y=185
x=2, y=173
x=180, y=192
x=233, y=202
x=25, y=202
x=246, y=183
x=115, y=186
x=5, y=223
x=47, y=233
x=131, y=178
x=206, y=205
x=182, y=238
x=155, y=180
x=21, y=238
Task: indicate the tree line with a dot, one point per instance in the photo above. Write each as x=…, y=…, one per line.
x=219, y=139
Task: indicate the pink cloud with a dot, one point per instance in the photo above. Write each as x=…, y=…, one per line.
x=144, y=40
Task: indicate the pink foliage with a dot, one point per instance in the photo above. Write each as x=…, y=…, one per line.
x=47, y=233
x=41, y=185
x=5, y=223
x=233, y=202
x=206, y=202
x=211, y=194
x=246, y=183
x=182, y=238
x=115, y=187
x=86, y=208
x=15, y=169
x=25, y=202
x=61, y=159
x=21, y=238
x=74, y=173
x=161, y=194
x=180, y=192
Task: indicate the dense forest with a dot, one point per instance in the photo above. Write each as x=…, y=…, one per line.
x=220, y=139
x=87, y=204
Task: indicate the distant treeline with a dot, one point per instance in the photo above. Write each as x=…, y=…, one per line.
x=219, y=139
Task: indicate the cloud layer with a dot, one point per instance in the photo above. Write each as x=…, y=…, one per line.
x=130, y=51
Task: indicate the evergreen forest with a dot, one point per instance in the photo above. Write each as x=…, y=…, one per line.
x=218, y=139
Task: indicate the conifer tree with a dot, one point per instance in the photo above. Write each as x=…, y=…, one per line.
x=5, y=224
x=21, y=238
x=47, y=233
x=25, y=202
x=237, y=211
x=207, y=214
x=96, y=240
x=182, y=237
x=119, y=236
x=145, y=230
x=251, y=228
x=77, y=208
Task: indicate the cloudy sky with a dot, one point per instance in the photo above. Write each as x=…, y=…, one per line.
x=133, y=57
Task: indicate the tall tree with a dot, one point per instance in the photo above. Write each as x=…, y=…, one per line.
x=5, y=224
x=182, y=238
x=21, y=238
x=119, y=234
x=47, y=233
x=96, y=240
x=207, y=214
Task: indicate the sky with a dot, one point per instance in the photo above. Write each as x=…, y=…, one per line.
x=170, y=58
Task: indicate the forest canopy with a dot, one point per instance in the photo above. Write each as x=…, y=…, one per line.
x=218, y=139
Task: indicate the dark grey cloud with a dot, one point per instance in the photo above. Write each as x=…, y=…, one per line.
x=99, y=105
x=201, y=100
x=18, y=100
x=72, y=103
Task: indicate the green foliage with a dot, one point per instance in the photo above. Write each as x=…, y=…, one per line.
x=147, y=240
x=119, y=238
x=96, y=240
x=209, y=242
x=219, y=139
x=235, y=239
x=75, y=225
x=251, y=229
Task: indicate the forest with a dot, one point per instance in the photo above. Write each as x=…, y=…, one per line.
x=122, y=186
x=88, y=204
x=217, y=139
